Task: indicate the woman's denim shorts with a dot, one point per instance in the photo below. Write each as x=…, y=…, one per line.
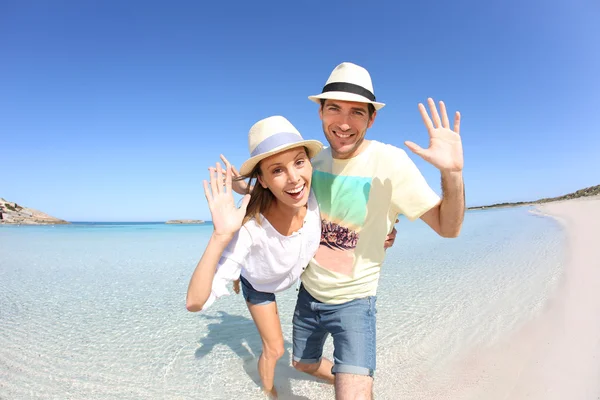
x=253, y=296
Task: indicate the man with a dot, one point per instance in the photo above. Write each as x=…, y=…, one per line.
x=362, y=186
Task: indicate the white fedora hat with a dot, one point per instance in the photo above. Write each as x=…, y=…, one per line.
x=273, y=135
x=349, y=82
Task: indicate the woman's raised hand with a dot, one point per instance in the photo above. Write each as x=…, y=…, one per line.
x=227, y=218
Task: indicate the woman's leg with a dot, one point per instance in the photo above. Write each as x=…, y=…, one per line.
x=266, y=318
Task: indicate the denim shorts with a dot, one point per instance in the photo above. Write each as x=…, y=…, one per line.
x=253, y=296
x=352, y=326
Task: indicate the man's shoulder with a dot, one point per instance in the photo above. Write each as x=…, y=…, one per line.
x=322, y=160
x=381, y=149
x=383, y=152
x=376, y=145
x=323, y=155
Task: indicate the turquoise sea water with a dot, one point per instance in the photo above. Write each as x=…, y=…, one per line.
x=97, y=311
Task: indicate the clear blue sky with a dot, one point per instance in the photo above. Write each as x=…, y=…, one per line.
x=113, y=110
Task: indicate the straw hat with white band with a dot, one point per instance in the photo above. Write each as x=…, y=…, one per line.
x=349, y=82
x=273, y=135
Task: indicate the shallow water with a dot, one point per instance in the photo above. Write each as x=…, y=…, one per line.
x=98, y=311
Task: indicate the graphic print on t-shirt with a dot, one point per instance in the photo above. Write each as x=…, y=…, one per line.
x=343, y=203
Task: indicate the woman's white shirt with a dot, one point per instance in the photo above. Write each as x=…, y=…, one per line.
x=269, y=261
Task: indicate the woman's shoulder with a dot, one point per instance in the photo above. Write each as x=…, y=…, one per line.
x=253, y=228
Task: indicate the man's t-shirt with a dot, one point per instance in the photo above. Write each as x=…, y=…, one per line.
x=360, y=199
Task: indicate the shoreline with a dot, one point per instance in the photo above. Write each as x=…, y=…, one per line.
x=568, y=366
x=557, y=354
x=589, y=192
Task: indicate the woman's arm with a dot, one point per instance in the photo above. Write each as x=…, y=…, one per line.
x=227, y=220
x=201, y=283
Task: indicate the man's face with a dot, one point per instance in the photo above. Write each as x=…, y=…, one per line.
x=345, y=124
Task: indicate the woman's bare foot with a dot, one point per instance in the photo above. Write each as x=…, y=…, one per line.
x=271, y=394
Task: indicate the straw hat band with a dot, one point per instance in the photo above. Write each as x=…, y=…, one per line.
x=349, y=88
x=274, y=135
x=348, y=82
x=274, y=141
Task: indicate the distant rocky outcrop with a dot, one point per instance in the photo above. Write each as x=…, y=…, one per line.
x=15, y=214
x=185, y=221
x=586, y=192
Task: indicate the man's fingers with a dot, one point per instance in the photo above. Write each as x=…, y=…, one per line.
x=415, y=148
x=392, y=235
x=228, y=180
x=245, y=201
x=220, y=180
x=445, y=121
x=426, y=119
x=457, y=123
x=224, y=160
x=213, y=181
x=234, y=171
x=434, y=113
x=388, y=243
x=390, y=238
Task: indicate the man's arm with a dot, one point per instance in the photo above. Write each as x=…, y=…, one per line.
x=446, y=154
x=238, y=185
x=447, y=217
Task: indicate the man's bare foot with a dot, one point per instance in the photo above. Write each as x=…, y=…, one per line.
x=271, y=394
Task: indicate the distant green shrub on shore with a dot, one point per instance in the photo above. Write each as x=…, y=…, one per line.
x=586, y=192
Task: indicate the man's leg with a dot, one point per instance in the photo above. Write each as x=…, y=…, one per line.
x=308, y=340
x=353, y=328
x=353, y=387
x=321, y=369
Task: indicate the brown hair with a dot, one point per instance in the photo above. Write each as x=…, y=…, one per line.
x=260, y=198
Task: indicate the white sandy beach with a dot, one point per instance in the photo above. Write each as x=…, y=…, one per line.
x=557, y=355
x=565, y=363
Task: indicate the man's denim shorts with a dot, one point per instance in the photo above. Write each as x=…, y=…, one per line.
x=253, y=296
x=352, y=326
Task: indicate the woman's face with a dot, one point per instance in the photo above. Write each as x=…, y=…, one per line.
x=288, y=176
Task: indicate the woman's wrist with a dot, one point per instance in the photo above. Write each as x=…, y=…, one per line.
x=222, y=239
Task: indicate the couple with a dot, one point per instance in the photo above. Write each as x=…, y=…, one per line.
x=322, y=215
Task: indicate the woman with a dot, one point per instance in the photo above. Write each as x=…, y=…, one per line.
x=266, y=242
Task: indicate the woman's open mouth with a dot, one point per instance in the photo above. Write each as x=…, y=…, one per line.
x=296, y=193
